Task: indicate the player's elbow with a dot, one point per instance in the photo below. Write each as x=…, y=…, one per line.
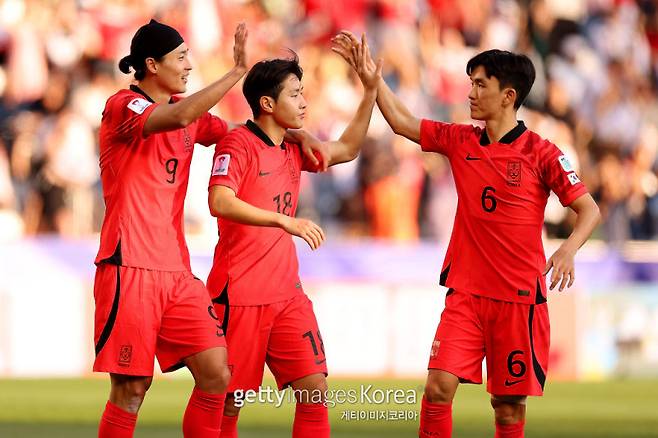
x=217, y=207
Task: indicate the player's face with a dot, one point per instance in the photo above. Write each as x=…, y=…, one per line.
x=174, y=69
x=290, y=106
x=486, y=99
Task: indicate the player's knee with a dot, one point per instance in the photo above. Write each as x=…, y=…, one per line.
x=128, y=392
x=215, y=380
x=437, y=391
x=508, y=410
x=311, y=389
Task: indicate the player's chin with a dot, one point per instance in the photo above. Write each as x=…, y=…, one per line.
x=296, y=124
x=476, y=115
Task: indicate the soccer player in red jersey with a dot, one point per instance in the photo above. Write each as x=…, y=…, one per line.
x=495, y=263
x=254, y=281
x=148, y=303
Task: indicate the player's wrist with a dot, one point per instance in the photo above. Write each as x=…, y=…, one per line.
x=239, y=70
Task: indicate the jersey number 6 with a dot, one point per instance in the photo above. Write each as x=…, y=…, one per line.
x=489, y=203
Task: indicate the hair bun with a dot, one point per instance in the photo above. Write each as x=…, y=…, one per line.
x=124, y=64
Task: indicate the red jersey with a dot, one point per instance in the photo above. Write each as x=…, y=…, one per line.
x=144, y=183
x=259, y=264
x=496, y=248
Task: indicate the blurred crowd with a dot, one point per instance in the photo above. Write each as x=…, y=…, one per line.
x=595, y=97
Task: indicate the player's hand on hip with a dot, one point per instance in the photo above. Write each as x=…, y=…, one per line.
x=304, y=228
x=564, y=273
x=239, y=47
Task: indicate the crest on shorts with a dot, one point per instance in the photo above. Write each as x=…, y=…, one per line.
x=514, y=173
x=125, y=355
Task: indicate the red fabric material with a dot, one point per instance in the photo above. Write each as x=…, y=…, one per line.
x=435, y=420
x=229, y=427
x=503, y=188
x=116, y=423
x=203, y=416
x=311, y=421
x=510, y=430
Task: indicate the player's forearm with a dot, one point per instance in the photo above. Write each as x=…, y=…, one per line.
x=236, y=210
x=397, y=115
x=356, y=131
x=192, y=107
x=587, y=219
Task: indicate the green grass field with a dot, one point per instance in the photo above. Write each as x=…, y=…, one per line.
x=71, y=408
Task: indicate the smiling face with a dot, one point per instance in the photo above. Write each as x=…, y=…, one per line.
x=289, y=108
x=487, y=100
x=173, y=70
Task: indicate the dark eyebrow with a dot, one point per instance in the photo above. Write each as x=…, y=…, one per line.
x=298, y=89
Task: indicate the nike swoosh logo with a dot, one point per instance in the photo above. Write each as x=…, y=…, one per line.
x=261, y=173
x=469, y=158
x=508, y=383
x=320, y=362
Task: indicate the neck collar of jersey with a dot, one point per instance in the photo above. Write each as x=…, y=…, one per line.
x=138, y=90
x=255, y=129
x=508, y=138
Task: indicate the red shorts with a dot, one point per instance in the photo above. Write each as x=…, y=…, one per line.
x=283, y=335
x=142, y=313
x=514, y=338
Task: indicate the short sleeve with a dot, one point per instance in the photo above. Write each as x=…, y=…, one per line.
x=560, y=176
x=127, y=113
x=230, y=163
x=210, y=129
x=441, y=137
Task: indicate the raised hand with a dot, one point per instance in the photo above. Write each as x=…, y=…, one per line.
x=357, y=54
x=239, y=47
x=342, y=44
x=369, y=72
x=304, y=228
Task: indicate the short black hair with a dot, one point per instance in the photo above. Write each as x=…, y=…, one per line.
x=511, y=69
x=266, y=79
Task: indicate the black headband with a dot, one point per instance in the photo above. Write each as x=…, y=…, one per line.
x=153, y=40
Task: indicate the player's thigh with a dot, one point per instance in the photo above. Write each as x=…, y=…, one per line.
x=188, y=324
x=126, y=319
x=458, y=345
x=295, y=349
x=247, y=333
x=517, y=349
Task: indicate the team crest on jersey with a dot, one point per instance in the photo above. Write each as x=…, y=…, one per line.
x=220, y=166
x=187, y=140
x=138, y=105
x=565, y=163
x=573, y=178
x=514, y=173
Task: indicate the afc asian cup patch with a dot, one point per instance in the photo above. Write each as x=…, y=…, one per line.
x=220, y=166
x=565, y=163
x=573, y=178
x=138, y=105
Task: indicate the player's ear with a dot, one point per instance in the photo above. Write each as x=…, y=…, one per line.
x=267, y=104
x=151, y=65
x=510, y=96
